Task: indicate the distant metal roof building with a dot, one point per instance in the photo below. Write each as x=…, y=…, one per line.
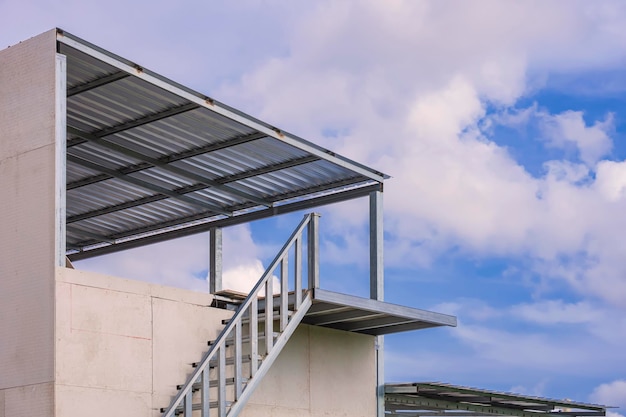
x=439, y=399
x=149, y=159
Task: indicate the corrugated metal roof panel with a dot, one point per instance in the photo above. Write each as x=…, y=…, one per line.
x=145, y=154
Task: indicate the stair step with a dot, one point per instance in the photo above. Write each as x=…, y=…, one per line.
x=229, y=361
x=261, y=317
x=230, y=341
x=212, y=383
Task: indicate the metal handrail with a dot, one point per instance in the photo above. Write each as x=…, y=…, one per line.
x=249, y=309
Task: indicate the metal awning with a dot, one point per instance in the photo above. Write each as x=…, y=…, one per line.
x=438, y=399
x=149, y=159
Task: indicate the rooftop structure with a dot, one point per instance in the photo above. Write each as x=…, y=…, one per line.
x=99, y=155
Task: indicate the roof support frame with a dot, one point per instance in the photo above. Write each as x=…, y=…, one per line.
x=100, y=141
x=141, y=121
x=215, y=106
x=98, y=82
x=148, y=186
x=133, y=203
x=229, y=221
x=171, y=158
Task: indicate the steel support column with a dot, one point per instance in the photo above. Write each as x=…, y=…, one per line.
x=377, y=288
x=60, y=122
x=313, y=251
x=215, y=260
x=376, y=246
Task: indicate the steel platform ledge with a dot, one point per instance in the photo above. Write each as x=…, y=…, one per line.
x=363, y=315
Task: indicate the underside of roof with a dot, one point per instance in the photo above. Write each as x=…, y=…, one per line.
x=148, y=159
x=361, y=315
x=438, y=399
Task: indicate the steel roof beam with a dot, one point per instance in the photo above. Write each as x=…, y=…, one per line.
x=171, y=158
x=131, y=204
x=91, y=235
x=268, y=169
x=141, y=121
x=98, y=82
x=146, y=185
x=225, y=222
x=189, y=189
x=165, y=166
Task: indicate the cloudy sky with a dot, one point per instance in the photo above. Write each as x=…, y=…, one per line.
x=503, y=125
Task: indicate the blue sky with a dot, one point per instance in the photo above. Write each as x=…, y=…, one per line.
x=502, y=124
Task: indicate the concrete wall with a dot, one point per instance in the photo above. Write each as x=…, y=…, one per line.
x=122, y=346
x=321, y=372
x=27, y=226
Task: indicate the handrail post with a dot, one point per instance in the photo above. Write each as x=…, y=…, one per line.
x=313, y=252
x=215, y=260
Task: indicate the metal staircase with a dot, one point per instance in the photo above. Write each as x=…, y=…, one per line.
x=228, y=373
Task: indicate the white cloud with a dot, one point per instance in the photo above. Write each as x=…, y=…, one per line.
x=569, y=128
x=611, y=394
x=557, y=312
x=184, y=262
x=242, y=267
x=611, y=180
x=179, y=263
x=407, y=84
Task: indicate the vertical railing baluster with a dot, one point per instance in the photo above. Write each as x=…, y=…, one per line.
x=188, y=404
x=237, y=359
x=221, y=381
x=254, y=335
x=206, y=402
x=297, y=258
x=284, y=291
x=313, y=252
x=269, y=314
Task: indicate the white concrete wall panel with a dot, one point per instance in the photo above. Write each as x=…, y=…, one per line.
x=181, y=331
x=343, y=373
x=126, y=344
x=29, y=400
x=27, y=95
x=104, y=338
x=97, y=359
x=26, y=266
x=90, y=402
x=287, y=385
x=27, y=240
x=321, y=372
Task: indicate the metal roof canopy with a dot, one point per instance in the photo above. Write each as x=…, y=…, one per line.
x=438, y=399
x=149, y=159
